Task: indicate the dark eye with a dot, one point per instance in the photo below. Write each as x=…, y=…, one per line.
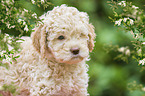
x=61, y=37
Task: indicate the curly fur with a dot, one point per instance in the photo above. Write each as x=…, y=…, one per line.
x=47, y=66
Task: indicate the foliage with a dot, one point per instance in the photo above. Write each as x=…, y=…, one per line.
x=134, y=86
x=10, y=88
x=131, y=19
x=43, y=3
x=123, y=52
x=9, y=46
x=15, y=21
x=15, y=18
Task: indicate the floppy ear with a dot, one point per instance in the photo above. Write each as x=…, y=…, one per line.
x=39, y=41
x=92, y=36
x=36, y=38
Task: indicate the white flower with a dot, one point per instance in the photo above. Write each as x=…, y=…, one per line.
x=143, y=43
x=122, y=49
x=33, y=1
x=25, y=10
x=7, y=35
x=34, y=15
x=13, y=26
x=119, y=3
x=8, y=58
x=2, y=53
x=7, y=9
x=5, y=39
x=131, y=22
x=122, y=3
x=9, y=41
x=10, y=47
x=127, y=52
x=143, y=89
x=118, y=22
x=42, y=1
x=26, y=28
x=8, y=1
x=24, y=22
x=8, y=25
x=13, y=1
x=142, y=61
x=139, y=51
x=19, y=20
x=134, y=7
x=125, y=19
x=2, y=20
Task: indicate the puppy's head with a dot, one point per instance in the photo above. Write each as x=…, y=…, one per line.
x=65, y=36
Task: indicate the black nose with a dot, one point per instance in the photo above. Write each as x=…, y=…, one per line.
x=75, y=51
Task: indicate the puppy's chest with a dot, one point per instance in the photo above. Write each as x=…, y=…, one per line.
x=64, y=72
x=52, y=77
x=67, y=78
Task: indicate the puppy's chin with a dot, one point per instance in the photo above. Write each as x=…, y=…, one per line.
x=73, y=60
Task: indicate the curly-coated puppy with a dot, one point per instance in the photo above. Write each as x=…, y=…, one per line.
x=52, y=61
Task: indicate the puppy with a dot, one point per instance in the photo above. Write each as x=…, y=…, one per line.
x=52, y=61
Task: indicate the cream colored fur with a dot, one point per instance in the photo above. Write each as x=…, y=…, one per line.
x=47, y=66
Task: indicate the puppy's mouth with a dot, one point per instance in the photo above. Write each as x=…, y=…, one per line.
x=73, y=60
x=76, y=58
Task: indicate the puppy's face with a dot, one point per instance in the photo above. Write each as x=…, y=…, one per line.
x=68, y=43
x=65, y=35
